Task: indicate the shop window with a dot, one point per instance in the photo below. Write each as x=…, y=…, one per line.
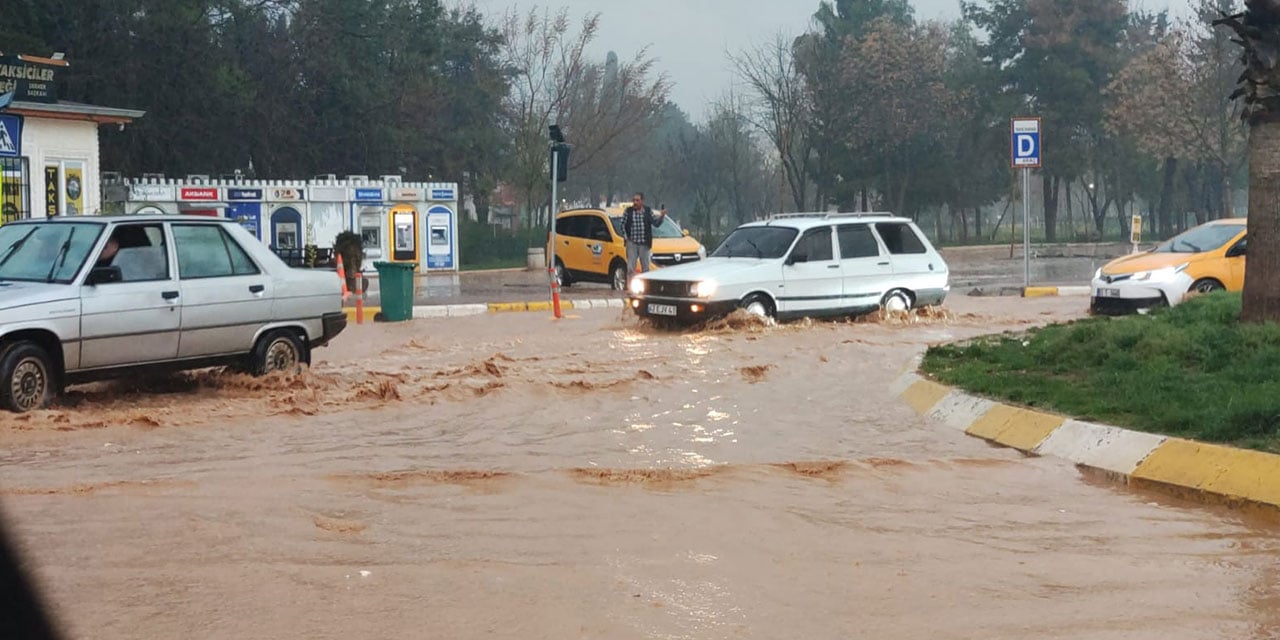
x=15, y=190
x=64, y=187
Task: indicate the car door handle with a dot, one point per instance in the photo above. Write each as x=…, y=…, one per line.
x=170, y=295
x=833, y=266
x=883, y=264
x=257, y=288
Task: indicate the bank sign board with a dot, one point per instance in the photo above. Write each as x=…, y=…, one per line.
x=199, y=194
x=30, y=80
x=1026, y=143
x=252, y=195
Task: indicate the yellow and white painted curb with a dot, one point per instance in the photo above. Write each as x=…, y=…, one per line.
x=1050, y=292
x=464, y=310
x=1192, y=469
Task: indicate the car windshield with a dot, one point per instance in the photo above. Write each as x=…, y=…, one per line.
x=668, y=228
x=757, y=242
x=48, y=252
x=1200, y=239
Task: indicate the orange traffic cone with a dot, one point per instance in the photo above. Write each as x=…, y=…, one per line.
x=342, y=277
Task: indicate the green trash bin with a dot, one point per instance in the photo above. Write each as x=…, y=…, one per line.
x=395, y=282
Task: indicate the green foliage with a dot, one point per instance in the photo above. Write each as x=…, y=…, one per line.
x=1193, y=371
x=297, y=87
x=350, y=246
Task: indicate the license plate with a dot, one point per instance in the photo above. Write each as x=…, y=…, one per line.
x=662, y=309
x=1108, y=293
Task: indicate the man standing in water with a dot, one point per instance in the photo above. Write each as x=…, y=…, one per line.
x=638, y=223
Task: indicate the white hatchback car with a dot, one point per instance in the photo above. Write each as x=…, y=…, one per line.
x=796, y=265
x=88, y=298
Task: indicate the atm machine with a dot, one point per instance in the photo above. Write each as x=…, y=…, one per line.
x=403, y=222
x=370, y=220
x=442, y=239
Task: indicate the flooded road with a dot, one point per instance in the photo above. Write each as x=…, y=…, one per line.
x=509, y=476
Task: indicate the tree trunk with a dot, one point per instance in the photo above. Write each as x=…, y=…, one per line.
x=1165, y=211
x=902, y=197
x=483, y=203
x=1228, y=199
x=1051, y=187
x=964, y=225
x=1262, y=270
x=977, y=222
x=1071, y=225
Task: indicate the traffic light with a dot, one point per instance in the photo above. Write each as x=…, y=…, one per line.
x=560, y=160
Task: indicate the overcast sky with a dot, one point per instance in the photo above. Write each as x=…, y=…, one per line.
x=689, y=38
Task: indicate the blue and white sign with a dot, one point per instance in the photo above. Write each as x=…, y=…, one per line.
x=10, y=136
x=244, y=194
x=365, y=195
x=1026, y=143
x=442, y=195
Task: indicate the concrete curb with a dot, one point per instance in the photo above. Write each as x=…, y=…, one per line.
x=464, y=310
x=1050, y=292
x=1218, y=473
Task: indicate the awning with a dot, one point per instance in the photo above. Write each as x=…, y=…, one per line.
x=64, y=110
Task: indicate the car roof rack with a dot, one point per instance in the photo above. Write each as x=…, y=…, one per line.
x=827, y=215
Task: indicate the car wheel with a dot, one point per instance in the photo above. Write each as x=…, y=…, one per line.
x=281, y=351
x=758, y=305
x=1206, y=285
x=896, y=301
x=26, y=378
x=562, y=275
x=618, y=276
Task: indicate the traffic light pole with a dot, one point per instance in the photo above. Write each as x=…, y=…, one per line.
x=551, y=260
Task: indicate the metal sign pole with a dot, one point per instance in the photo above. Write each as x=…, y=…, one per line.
x=551, y=222
x=1025, y=154
x=1026, y=228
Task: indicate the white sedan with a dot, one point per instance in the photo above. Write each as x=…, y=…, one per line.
x=796, y=265
x=88, y=298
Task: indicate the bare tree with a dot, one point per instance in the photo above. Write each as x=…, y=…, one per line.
x=545, y=56
x=783, y=110
x=554, y=82
x=610, y=109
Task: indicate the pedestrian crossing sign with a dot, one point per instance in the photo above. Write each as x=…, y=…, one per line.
x=10, y=136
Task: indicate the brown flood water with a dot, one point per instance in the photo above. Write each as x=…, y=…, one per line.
x=509, y=476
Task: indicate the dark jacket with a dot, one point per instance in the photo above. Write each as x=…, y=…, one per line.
x=638, y=226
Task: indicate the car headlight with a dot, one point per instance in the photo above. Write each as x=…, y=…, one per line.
x=1097, y=274
x=702, y=252
x=705, y=288
x=637, y=286
x=1161, y=274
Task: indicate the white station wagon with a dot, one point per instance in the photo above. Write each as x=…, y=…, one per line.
x=797, y=265
x=89, y=298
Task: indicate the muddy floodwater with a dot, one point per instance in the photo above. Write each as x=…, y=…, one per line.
x=510, y=476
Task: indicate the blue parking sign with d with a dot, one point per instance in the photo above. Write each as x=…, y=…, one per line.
x=1026, y=143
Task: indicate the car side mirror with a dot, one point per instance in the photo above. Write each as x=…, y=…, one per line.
x=105, y=275
x=1237, y=251
x=797, y=257
x=684, y=232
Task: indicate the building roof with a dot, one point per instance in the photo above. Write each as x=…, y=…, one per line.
x=65, y=110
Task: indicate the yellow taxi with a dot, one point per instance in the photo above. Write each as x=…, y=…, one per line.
x=590, y=247
x=1210, y=257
